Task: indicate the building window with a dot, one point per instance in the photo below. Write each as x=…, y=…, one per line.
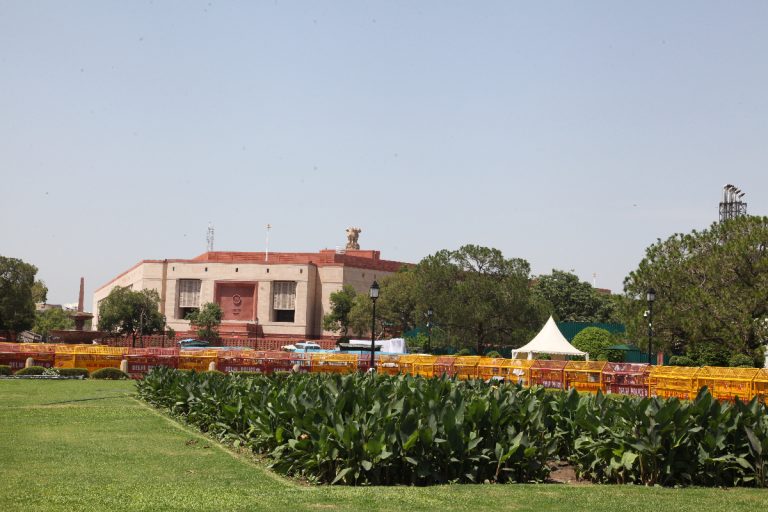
x=189, y=296
x=284, y=301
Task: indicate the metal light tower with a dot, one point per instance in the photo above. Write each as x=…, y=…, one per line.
x=732, y=205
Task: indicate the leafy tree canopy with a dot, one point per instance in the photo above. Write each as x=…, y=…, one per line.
x=207, y=320
x=595, y=342
x=52, y=319
x=478, y=297
x=398, y=308
x=17, y=304
x=131, y=313
x=481, y=297
x=573, y=300
x=341, y=304
x=711, y=288
x=39, y=292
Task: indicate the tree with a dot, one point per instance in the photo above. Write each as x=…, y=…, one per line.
x=17, y=305
x=341, y=304
x=573, y=300
x=595, y=342
x=51, y=320
x=39, y=292
x=711, y=289
x=131, y=313
x=207, y=320
x=479, y=296
x=397, y=309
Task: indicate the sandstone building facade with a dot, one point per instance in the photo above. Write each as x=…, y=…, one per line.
x=260, y=294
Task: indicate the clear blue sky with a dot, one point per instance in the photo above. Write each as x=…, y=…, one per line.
x=571, y=134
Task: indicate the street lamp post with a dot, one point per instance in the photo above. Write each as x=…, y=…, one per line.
x=650, y=297
x=429, y=329
x=374, y=294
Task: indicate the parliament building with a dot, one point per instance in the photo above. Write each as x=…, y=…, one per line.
x=260, y=294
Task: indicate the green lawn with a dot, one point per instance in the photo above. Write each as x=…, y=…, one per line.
x=89, y=445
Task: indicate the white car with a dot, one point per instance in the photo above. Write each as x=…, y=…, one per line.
x=308, y=345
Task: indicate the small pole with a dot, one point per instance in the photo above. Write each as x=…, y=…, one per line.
x=373, y=335
x=374, y=294
x=266, y=255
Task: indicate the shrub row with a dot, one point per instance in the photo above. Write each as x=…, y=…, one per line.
x=103, y=373
x=376, y=429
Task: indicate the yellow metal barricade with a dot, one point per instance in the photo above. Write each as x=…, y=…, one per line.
x=728, y=383
x=90, y=357
x=760, y=385
x=465, y=367
x=388, y=364
x=673, y=381
x=584, y=375
x=520, y=371
x=40, y=348
x=197, y=360
x=407, y=362
x=333, y=363
x=424, y=366
x=494, y=368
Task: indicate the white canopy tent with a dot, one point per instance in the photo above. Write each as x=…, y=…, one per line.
x=391, y=346
x=549, y=341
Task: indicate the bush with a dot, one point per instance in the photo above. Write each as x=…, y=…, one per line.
x=681, y=361
x=708, y=354
x=741, y=361
x=323, y=428
x=246, y=374
x=32, y=370
x=212, y=372
x=492, y=353
x=436, y=431
x=109, y=373
x=73, y=372
x=5, y=370
x=463, y=352
x=595, y=342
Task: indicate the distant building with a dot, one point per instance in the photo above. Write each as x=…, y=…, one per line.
x=260, y=294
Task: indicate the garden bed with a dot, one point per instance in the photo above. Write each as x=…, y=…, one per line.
x=375, y=429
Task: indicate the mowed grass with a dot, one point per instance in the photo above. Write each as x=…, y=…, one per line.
x=89, y=445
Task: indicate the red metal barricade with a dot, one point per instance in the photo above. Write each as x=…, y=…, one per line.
x=444, y=365
x=229, y=361
x=276, y=361
x=548, y=373
x=17, y=360
x=142, y=360
x=626, y=378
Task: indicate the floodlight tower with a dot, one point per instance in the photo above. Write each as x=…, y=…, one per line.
x=733, y=204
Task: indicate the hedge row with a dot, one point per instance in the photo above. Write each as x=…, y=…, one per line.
x=103, y=373
x=377, y=429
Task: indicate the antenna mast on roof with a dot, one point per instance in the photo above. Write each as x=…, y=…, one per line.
x=209, y=238
x=266, y=255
